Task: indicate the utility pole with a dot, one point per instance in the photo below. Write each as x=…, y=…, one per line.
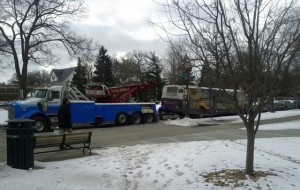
x=187, y=71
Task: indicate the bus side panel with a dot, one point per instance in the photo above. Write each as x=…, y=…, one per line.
x=174, y=105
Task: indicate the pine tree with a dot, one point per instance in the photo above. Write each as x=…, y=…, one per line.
x=103, y=68
x=80, y=79
x=186, y=76
x=153, y=73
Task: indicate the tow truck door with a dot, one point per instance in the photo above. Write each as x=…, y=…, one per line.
x=53, y=100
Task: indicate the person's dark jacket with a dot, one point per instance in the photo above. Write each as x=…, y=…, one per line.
x=64, y=116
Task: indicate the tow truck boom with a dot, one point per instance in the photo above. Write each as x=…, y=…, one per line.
x=118, y=94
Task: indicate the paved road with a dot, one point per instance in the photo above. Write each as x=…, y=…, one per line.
x=157, y=133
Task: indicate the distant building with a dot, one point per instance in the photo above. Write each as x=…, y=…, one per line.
x=9, y=92
x=62, y=75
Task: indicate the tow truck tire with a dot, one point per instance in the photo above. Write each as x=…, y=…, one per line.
x=40, y=124
x=122, y=119
x=136, y=118
x=148, y=118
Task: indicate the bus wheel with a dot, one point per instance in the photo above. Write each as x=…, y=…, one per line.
x=201, y=112
x=40, y=124
x=148, y=118
x=122, y=119
x=136, y=118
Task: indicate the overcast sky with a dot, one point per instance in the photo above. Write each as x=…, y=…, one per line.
x=119, y=25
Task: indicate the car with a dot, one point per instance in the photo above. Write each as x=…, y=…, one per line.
x=4, y=104
x=278, y=105
x=283, y=105
x=297, y=102
x=289, y=104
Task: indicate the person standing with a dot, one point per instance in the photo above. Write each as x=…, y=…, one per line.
x=64, y=117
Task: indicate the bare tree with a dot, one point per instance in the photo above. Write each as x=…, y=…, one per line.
x=175, y=63
x=139, y=58
x=252, y=43
x=88, y=57
x=126, y=70
x=31, y=31
x=131, y=67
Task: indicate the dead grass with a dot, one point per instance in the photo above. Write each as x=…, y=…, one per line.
x=233, y=178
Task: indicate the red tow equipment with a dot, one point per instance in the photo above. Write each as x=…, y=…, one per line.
x=118, y=94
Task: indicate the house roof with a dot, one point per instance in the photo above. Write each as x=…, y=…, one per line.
x=63, y=74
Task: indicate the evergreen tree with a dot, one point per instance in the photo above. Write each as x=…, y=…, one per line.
x=80, y=79
x=207, y=77
x=153, y=73
x=186, y=76
x=103, y=68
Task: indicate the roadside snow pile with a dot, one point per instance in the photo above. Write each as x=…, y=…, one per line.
x=3, y=116
x=187, y=122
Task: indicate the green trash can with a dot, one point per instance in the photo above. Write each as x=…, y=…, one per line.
x=19, y=141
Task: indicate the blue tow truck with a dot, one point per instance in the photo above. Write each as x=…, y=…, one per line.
x=42, y=107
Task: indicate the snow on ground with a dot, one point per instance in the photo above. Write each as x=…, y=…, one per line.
x=229, y=119
x=167, y=166
x=3, y=116
x=163, y=166
x=280, y=126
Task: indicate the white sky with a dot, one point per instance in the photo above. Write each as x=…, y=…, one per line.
x=167, y=166
x=119, y=25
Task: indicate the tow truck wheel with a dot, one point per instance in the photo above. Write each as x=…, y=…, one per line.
x=148, y=118
x=122, y=119
x=40, y=124
x=136, y=118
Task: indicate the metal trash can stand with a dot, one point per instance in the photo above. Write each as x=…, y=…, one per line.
x=19, y=140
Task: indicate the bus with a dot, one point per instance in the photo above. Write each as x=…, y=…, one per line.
x=196, y=102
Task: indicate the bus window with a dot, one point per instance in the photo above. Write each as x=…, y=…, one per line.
x=172, y=91
x=205, y=94
x=195, y=94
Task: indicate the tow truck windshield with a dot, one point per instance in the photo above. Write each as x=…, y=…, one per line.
x=40, y=93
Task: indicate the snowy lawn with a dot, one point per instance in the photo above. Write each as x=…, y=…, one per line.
x=165, y=166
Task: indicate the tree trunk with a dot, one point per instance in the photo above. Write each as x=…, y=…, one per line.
x=250, y=147
x=23, y=86
x=23, y=77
